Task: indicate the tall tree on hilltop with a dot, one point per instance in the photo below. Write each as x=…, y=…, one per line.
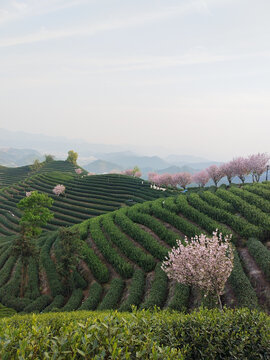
x=72, y=157
x=49, y=158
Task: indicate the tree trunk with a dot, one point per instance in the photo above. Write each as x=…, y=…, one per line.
x=219, y=302
x=23, y=281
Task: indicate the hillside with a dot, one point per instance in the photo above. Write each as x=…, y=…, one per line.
x=9, y=176
x=85, y=196
x=18, y=157
x=122, y=250
x=102, y=166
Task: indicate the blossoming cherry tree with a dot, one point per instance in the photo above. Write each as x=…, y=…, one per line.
x=203, y=262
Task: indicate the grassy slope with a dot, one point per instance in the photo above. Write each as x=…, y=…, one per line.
x=122, y=252
x=85, y=196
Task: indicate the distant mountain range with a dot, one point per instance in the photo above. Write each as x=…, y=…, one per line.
x=102, y=166
x=18, y=157
x=98, y=158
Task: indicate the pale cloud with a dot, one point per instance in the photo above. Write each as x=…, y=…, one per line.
x=124, y=21
x=99, y=65
x=15, y=10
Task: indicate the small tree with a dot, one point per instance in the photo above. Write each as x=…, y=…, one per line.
x=78, y=171
x=59, y=189
x=49, y=158
x=241, y=167
x=183, y=179
x=257, y=165
x=228, y=170
x=68, y=254
x=36, y=165
x=202, y=262
x=215, y=173
x=138, y=174
x=72, y=157
x=201, y=178
x=135, y=170
x=35, y=214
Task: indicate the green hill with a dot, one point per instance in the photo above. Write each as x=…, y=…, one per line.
x=9, y=176
x=122, y=250
x=86, y=196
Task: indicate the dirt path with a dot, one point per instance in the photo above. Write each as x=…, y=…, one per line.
x=118, y=250
x=135, y=243
x=257, y=278
x=171, y=287
x=228, y=298
x=149, y=231
x=45, y=288
x=194, y=298
x=12, y=232
x=192, y=222
x=171, y=227
x=94, y=247
x=125, y=292
x=148, y=284
x=87, y=275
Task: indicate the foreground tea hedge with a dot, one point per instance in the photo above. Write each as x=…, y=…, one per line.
x=204, y=334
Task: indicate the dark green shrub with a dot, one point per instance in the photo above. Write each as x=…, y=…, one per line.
x=74, y=301
x=98, y=269
x=159, y=290
x=245, y=294
x=93, y=299
x=113, y=296
x=180, y=298
x=136, y=291
x=39, y=304
x=136, y=254
x=261, y=255
x=107, y=249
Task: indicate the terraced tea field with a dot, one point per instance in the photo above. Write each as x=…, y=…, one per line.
x=9, y=176
x=122, y=250
x=85, y=197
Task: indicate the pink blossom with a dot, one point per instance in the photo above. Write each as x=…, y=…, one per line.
x=257, y=165
x=128, y=172
x=201, y=178
x=90, y=174
x=164, y=179
x=215, y=173
x=183, y=179
x=78, y=171
x=202, y=262
x=228, y=170
x=59, y=189
x=241, y=167
x=138, y=174
x=28, y=193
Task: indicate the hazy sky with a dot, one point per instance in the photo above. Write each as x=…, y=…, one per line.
x=189, y=75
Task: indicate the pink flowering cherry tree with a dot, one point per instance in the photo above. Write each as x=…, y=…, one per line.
x=215, y=173
x=203, y=262
x=28, y=193
x=138, y=174
x=183, y=179
x=59, y=190
x=78, y=171
x=201, y=178
x=241, y=167
x=228, y=170
x=128, y=172
x=257, y=164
